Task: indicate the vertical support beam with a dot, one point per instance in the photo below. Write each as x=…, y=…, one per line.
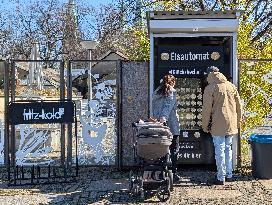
x=239, y=154
x=119, y=114
x=12, y=131
x=76, y=138
x=62, y=129
x=234, y=60
x=90, y=83
x=236, y=140
x=151, y=72
x=69, y=126
x=6, y=134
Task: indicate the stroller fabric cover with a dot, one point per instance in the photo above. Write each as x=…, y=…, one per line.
x=153, y=141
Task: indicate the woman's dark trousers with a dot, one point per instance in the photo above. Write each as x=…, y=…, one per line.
x=174, y=149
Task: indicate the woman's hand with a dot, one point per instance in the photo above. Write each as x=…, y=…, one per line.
x=151, y=119
x=162, y=120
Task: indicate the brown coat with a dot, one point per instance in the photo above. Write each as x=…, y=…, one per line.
x=221, y=106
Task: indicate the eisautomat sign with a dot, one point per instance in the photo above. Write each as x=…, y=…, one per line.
x=173, y=56
x=188, y=60
x=41, y=112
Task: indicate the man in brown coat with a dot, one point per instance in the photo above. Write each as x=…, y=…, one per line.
x=221, y=114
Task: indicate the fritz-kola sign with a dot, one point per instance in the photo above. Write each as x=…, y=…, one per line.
x=41, y=112
x=30, y=114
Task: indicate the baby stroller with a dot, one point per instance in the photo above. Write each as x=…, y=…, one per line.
x=152, y=155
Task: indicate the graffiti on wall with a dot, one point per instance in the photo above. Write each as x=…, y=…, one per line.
x=36, y=145
x=97, y=144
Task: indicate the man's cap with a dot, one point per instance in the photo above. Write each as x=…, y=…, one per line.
x=212, y=69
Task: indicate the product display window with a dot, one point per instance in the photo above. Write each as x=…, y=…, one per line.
x=189, y=100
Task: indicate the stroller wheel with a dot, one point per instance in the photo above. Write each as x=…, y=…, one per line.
x=163, y=193
x=135, y=190
x=142, y=195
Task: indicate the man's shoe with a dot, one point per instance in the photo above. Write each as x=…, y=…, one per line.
x=218, y=182
x=229, y=179
x=176, y=177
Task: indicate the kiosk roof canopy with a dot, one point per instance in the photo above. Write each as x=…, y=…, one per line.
x=229, y=14
x=193, y=21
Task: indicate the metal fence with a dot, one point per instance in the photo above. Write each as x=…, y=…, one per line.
x=99, y=111
x=29, y=148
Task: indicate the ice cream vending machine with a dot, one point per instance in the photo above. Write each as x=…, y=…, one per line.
x=185, y=46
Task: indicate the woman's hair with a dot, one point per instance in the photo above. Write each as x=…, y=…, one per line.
x=167, y=83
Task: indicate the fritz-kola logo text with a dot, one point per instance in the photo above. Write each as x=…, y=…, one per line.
x=173, y=56
x=31, y=115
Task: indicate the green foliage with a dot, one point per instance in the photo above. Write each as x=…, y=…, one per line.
x=139, y=49
x=254, y=89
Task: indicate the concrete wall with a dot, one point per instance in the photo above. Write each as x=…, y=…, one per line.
x=135, y=97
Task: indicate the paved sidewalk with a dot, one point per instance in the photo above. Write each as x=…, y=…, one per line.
x=108, y=186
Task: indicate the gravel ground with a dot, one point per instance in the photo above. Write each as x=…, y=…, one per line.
x=109, y=186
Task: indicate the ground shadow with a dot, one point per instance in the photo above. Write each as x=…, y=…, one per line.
x=108, y=185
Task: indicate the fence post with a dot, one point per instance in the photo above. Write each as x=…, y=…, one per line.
x=62, y=129
x=69, y=126
x=6, y=95
x=12, y=141
x=119, y=114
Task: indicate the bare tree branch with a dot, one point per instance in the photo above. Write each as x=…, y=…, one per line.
x=256, y=9
x=214, y=5
x=266, y=29
x=201, y=4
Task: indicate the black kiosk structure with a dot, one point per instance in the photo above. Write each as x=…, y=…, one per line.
x=185, y=44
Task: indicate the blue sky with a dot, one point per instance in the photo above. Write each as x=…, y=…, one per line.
x=10, y=4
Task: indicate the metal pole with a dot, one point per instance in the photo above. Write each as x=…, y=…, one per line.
x=90, y=96
x=62, y=129
x=6, y=133
x=234, y=60
x=76, y=142
x=69, y=126
x=12, y=133
x=236, y=146
x=151, y=72
x=119, y=114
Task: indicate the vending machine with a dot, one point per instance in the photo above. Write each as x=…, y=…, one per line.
x=185, y=46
